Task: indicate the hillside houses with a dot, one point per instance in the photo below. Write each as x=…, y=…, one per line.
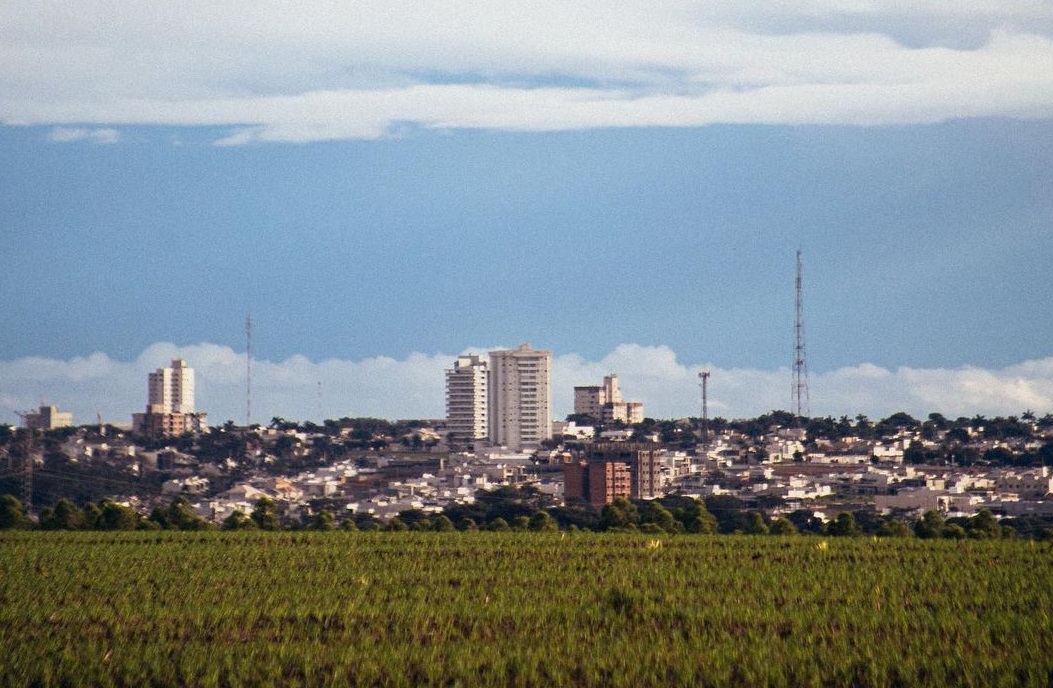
x=357, y=467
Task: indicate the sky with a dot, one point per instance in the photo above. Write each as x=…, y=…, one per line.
x=385, y=185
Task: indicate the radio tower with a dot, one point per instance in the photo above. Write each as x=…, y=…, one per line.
x=800, y=364
x=704, y=377
x=248, y=370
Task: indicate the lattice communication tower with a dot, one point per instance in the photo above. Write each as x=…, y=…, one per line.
x=800, y=362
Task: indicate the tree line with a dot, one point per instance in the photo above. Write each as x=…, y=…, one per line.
x=523, y=509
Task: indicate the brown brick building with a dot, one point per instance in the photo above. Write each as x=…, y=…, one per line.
x=606, y=471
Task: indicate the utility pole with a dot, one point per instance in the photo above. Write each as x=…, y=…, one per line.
x=27, y=463
x=704, y=377
x=248, y=370
x=800, y=399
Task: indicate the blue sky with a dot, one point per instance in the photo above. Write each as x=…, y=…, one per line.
x=388, y=185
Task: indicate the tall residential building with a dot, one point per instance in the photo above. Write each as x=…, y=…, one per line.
x=467, y=391
x=520, y=397
x=170, y=403
x=605, y=404
x=171, y=390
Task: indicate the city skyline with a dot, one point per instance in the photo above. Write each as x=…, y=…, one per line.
x=414, y=387
x=385, y=185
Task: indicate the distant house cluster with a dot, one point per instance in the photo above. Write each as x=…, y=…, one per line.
x=499, y=432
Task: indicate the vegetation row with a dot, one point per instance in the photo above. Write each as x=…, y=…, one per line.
x=520, y=609
x=517, y=509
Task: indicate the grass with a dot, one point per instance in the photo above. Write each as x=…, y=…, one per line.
x=520, y=609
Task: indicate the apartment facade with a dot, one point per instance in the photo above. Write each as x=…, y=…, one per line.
x=604, y=403
x=170, y=404
x=467, y=399
x=596, y=482
x=48, y=418
x=520, y=397
x=171, y=390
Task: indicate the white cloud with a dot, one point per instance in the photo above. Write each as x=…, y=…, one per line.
x=322, y=70
x=301, y=389
x=74, y=134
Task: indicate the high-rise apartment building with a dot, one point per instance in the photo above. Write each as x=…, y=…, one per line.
x=170, y=403
x=171, y=390
x=520, y=407
x=467, y=399
x=605, y=404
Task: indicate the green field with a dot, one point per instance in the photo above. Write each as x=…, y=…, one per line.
x=528, y=609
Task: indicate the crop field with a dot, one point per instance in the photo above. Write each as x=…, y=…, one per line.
x=520, y=609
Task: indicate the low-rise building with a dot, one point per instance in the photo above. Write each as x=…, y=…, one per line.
x=48, y=418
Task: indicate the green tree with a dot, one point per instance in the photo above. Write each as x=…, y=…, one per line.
x=499, y=525
x=930, y=525
x=238, y=521
x=661, y=518
x=180, y=516
x=65, y=516
x=443, y=524
x=894, y=528
x=782, y=526
x=12, y=514
x=396, y=525
x=619, y=514
x=92, y=514
x=698, y=519
x=914, y=453
x=265, y=515
x=422, y=525
x=324, y=520
x=542, y=521
x=843, y=526
x=521, y=523
x=755, y=524
x=114, y=516
x=984, y=526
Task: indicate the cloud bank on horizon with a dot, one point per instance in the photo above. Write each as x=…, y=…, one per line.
x=318, y=70
x=300, y=389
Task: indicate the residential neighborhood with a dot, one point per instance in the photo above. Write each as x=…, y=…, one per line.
x=368, y=471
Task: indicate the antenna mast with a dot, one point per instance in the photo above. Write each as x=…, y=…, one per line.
x=800, y=365
x=704, y=377
x=248, y=370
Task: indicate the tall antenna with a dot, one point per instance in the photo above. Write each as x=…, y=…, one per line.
x=800, y=364
x=704, y=377
x=248, y=370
